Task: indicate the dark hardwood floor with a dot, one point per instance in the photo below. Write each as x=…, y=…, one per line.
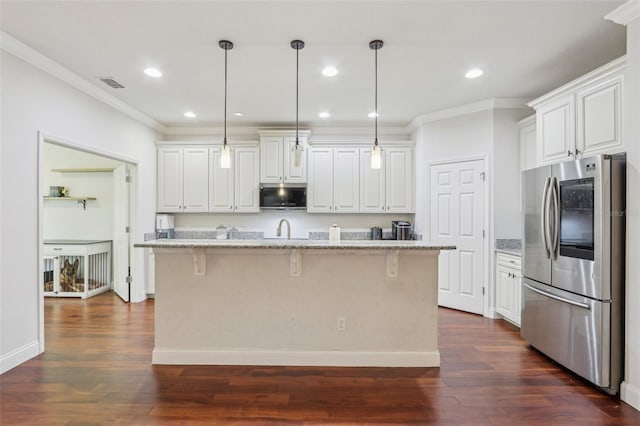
x=97, y=370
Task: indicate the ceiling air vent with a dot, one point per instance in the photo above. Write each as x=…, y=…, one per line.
x=109, y=81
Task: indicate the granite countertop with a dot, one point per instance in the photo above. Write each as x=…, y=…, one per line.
x=511, y=251
x=298, y=244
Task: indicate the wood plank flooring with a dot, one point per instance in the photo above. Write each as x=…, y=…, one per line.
x=97, y=371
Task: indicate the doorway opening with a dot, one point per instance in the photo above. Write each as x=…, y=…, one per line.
x=86, y=206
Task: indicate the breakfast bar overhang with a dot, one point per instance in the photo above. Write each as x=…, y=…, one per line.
x=306, y=302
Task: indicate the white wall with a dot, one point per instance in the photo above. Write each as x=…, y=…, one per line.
x=630, y=391
x=506, y=173
x=32, y=102
x=67, y=219
x=458, y=138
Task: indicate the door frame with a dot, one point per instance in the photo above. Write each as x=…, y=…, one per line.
x=43, y=138
x=487, y=196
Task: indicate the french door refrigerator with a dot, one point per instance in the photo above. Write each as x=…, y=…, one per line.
x=573, y=265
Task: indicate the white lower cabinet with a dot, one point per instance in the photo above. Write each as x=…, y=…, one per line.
x=234, y=189
x=333, y=180
x=509, y=287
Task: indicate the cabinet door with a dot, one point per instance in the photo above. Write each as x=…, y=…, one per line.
x=271, y=159
x=372, y=184
x=504, y=291
x=221, y=184
x=599, y=118
x=517, y=297
x=528, y=149
x=320, y=188
x=291, y=172
x=247, y=180
x=346, y=180
x=399, y=180
x=196, y=180
x=556, y=130
x=170, y=177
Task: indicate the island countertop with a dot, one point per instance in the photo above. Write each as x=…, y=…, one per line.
x=295, y=244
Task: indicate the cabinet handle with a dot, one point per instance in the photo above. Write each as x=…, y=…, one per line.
x=231, y=207
x=57, y=248
x=568, y=153
x=577, y=152
x=382, y=207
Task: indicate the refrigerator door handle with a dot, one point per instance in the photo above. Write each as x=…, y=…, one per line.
x=544, y=218
x=556, y=218
x=558, y=298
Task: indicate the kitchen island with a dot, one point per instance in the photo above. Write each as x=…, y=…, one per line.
x=296, y=302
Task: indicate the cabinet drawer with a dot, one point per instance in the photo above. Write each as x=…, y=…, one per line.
x=508, y=260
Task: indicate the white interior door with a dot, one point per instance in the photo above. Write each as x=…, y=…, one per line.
x=457, y=218
x=121, y=243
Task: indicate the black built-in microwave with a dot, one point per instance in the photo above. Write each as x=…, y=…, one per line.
x=283, y=197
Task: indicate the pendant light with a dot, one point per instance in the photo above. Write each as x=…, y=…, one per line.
x=225, y=152
x=297, y=149
x=376, y=152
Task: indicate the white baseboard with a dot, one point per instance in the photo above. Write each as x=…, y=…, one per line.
x=297, y=358
x=18, y=356
x=630, y=394
x=493, y=314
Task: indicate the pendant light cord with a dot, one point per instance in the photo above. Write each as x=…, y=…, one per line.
x=225, y=98
x=297, y=74
x=376, y=99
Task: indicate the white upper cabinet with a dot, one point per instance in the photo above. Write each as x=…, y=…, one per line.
x=581, y=118
x=320, y=188
x=221, y=184
x=556, y=127
x=183, y=179
x=372, y=184
x=234, y=190
x=346, y=178
x=528, y=152
x=277, y=159
x=399, y=180
x=599, y=116
x=246, y=179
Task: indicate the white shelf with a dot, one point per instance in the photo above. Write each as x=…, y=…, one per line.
x=80, y=200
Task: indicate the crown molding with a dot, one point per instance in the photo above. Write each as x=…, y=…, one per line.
x=486, y=105
x=53, y=68
x=625, y=13
x=615, y=66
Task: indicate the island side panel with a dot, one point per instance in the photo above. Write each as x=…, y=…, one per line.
x=248, y=309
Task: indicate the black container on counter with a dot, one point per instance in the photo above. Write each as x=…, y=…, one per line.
x=376, y=233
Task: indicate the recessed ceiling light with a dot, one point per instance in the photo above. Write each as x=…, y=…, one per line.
x=324, y=114
x=473, y=73
x=373, y=114
x=153, y=72
x=329, y=71
x=238, y=114
x=190, y=114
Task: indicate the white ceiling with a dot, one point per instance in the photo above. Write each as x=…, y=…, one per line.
x=526, y=48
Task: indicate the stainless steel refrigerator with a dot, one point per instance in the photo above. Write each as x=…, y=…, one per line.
x=573, y=265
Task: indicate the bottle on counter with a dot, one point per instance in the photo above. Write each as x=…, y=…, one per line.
x=334, y=233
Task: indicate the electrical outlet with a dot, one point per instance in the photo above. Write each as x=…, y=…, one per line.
x=342, y=323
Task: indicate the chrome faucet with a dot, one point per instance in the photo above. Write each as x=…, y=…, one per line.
x=279, y=231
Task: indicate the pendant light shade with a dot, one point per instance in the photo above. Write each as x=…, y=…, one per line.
x=376, y=151
x=225, y=152
x=297, y=148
